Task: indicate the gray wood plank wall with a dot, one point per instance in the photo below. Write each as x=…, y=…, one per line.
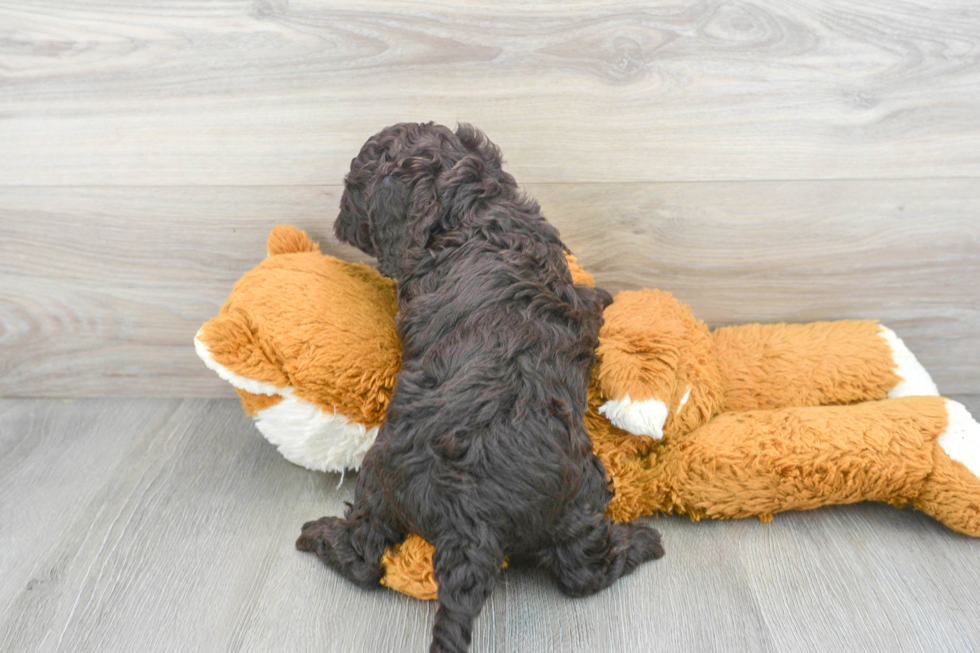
x=764, y=161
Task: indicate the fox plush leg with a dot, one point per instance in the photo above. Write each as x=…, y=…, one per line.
x=951, y=493
x=663, y=373
x=817, y=364
x=914, y=379
x=657, y=373
x=908, y=450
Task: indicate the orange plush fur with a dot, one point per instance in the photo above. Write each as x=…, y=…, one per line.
x=756, y=419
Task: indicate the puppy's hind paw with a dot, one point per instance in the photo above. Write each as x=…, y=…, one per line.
x=318, y=536
x=645, y=545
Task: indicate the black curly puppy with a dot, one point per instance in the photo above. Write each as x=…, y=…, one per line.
x=483, y=451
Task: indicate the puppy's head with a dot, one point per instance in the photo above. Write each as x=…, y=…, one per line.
x=410, y=182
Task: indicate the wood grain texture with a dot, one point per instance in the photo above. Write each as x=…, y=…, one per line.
x=102, y=289
x=277, y=92
x=764, y=161
x=168, y=525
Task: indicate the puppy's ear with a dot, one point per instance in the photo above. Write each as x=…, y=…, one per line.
x=351, y=225
x=476, y=142
x=387, y=207
x=464, y=187
x=438, y=204
x=426, y=207
x=404, y=210
x=413, y=200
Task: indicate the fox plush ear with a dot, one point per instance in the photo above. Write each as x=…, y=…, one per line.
x=579, y=276
x=287, y=239
x=231, y=345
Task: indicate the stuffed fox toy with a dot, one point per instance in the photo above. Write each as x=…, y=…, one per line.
x=738, y=422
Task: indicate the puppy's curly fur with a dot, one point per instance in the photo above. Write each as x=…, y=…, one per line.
x=483, y=451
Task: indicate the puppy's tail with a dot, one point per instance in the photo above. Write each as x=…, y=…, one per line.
x=466, y=571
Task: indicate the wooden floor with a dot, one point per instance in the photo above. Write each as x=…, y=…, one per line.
x=168, y=525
